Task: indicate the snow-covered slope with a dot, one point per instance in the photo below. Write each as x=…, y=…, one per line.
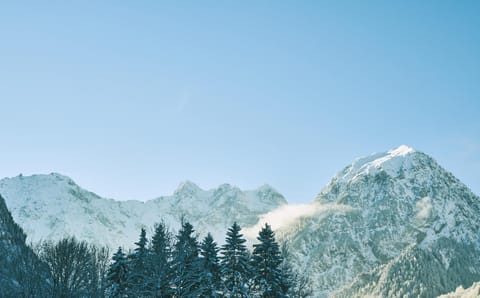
x=52, y=206
x=381, y=225
x=460, y=292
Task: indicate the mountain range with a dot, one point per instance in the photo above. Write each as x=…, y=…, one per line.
x=49, y=207
x=392, y=224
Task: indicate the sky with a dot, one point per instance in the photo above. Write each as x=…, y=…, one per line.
x=129, y=98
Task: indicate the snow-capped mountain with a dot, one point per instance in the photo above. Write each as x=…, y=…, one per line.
x=48, y=207
x=393, y=224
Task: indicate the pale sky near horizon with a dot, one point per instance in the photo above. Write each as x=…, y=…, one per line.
x=131, y=98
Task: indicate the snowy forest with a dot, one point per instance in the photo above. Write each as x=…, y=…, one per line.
x=174, y=265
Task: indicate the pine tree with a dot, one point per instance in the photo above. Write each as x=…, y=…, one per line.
x=117, y=276
x=268, y=279
x=209, y=263
x=288, y=276
x=186, y=262
x=234, y=264
x=139, y=279
x=160, y=259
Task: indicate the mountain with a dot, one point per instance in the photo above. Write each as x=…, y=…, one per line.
x=21, y=272
x=393, y=224
x=53, y=206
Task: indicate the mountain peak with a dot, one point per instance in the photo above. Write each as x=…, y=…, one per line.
x=266, y=188
x=392, y=162
x=187, y=187
x=401, y=150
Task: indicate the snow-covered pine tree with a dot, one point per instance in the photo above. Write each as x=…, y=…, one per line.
x=161, y=261
x=186, y=262
x=139, y=274
x=234, y=264
x=268, y=279
x=117, y=276
x=210, y=268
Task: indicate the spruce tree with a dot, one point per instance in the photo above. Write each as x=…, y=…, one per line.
x=160, y=259
x=210, y=268
x=186, y=262
x=117, y=276
x=268, y=279
x=139, y=279
x=234, y=264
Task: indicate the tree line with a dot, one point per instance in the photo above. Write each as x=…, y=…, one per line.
x=174, y=265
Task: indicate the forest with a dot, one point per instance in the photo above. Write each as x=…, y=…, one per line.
x=173, y=265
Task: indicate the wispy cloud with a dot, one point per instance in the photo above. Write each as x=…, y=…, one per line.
x=286, y=215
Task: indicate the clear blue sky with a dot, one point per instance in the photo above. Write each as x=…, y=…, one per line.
x=131, y=97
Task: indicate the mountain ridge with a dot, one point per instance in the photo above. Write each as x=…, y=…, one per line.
x=52, y=206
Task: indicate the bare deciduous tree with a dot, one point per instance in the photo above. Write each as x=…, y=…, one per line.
x=78, y=269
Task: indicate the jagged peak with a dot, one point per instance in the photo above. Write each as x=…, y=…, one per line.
x=401, y=150
x=187, y=187
x=226, y=187
x=54, y=176
x=266, y=187
x=61, y=177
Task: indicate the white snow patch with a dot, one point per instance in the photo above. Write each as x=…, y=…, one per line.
x=401, y=150
x=460, y=292
x=391, y=162
x=424, y=208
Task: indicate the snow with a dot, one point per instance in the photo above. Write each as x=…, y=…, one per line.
x=401, y=150
x=424, y=207
x=392, y=162
x=460, y=292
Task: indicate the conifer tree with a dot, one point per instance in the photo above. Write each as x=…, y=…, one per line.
x=268, y=279
x=234, y=264
x=210, y=268
x=160, y=259
x=186, y=262
x=139, y=279
x=117, y=276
